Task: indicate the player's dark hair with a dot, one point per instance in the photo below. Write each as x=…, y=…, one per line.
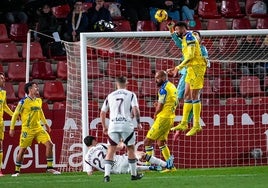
x=199, y=34
x=28, y=85
x=2, y=73
x=88, y=140
x=121, y=79
x=181, y=24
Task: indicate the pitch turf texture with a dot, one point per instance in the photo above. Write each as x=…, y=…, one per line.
x=239, y=177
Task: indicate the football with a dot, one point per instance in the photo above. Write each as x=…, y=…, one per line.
x=161, y=15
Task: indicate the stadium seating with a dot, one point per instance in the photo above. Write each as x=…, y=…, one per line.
x=149, y=88
x=217, y=24
x=16, y=71
x=146, y=25
x=101, y=88
x=228, y=46
x=207, y=91
x=3, y=34
x=117, y=67
x=223, y=87
x=1, y=68
x=154, y=47
x=59, y=105
x=231, y=9
x=9, y=52
x=45, y=106
x=42, y=70
x=262, y=23
x=131, y=47
x=173, y=50
x=250, y=86
x=141, y=69
x=54, y=91
x=241, y=23
x=248, y=7
x=235, y=101
x=62, y=70
x=36, y=52
x=198, y=24
x=121, y=25
x=210, y=102
x=18, y=32
x=259, y=101
x=93, y=69
x=208, y=9
x=133, y=86
x=163, y=64
x=10, y=92
x=61, y=11
x=21, y=93
x=108, y=44
x=215, y=70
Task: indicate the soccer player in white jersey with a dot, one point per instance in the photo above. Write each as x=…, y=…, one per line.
x=122, y=105
x=95, y=158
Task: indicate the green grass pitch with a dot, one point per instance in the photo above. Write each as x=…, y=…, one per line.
x=231, y=177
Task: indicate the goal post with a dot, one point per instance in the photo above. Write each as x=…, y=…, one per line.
x=133, y=53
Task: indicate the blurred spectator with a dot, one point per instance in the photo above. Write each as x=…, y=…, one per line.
x=188, y=8
x=77, y=21
x=14, y=11
x=47, y=24
x=135, y=10
x=99, y=17
x=172, y=8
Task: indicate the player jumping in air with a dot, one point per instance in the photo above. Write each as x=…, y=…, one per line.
x=196, y=67
x=184, y=88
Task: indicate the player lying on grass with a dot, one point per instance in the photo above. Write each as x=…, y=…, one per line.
x=95, y=158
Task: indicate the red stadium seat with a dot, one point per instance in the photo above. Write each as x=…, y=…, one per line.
x=149, y=88
x=54, y=91
x=18, y=32
x=61, y=11
x=59, y=105
x=93, y=69
x=208, y=9
x=215, y=70
x=146, y=25
x=210, y=102
x=250, y=86
x=223, y=87
x=101, y=88
x=106, y=43
x=131, y=47
x=207, y=91
x=16, y=71
x=133, y=86
x=121, y=25
x=36, y=52
x=9, y=52
x=217, y=24
x=259, y=101
x=21, y=93
x=231, y=9
x=62, y=70
x=241, y=23
x=249, y=5
x=42, y=70
x=262, y=23
x=45, y=106
x=228, y=46
x=117, y=67
x=173, y=50
x=10, y=93
x=3, y=34
x=236, y=101
x=87, y=5
x=141, y=69
x=163, y=64
x=154, y=47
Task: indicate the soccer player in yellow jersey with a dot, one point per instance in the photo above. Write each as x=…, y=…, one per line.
x=3, y=108
x=164, y=118
x=196, y=67
x=30, y=111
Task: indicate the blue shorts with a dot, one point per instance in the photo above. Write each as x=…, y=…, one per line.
x=181, y=86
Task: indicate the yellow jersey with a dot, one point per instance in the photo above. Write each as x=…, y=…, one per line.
x=3, y=105
x=30, y=111
x=191, y=50
x=167, y=95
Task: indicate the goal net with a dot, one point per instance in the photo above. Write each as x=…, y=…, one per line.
x=234, y=107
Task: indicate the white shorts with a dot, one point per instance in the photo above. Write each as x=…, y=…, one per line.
x=129, y=138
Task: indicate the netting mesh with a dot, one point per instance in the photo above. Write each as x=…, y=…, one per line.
x=233, y=118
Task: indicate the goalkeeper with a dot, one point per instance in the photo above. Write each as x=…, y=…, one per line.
x=192, y=68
